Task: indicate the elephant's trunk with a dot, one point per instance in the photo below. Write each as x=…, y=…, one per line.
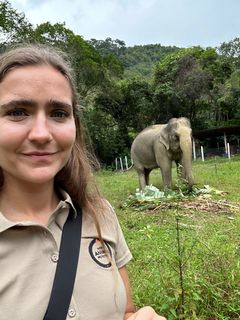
x=186, y=147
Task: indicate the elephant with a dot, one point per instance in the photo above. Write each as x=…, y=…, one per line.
x=160, y=144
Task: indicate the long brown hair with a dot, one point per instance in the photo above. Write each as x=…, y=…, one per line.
x=76, y=176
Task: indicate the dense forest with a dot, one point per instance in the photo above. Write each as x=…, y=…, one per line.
x=124, y=89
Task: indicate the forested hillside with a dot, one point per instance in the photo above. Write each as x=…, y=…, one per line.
x=124, y=89
x=138, y=61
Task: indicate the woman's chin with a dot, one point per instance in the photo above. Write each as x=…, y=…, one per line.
x=38, y=179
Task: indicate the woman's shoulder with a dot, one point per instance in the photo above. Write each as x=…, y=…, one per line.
x=107, y=220
x=104, y=213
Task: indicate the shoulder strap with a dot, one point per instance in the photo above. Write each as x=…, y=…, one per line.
x=66, y=268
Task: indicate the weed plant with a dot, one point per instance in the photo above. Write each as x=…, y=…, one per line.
x=186, y=263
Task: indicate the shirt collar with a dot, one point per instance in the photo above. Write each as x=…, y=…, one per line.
x=62, y=210
x=5, y=223
x=67, y=200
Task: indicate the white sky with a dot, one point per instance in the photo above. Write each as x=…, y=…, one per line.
x=183, y=23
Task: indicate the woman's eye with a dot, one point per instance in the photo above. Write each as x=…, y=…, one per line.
x=59, y=114
x=17, y=114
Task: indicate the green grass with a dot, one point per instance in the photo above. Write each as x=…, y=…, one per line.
x=203, y=246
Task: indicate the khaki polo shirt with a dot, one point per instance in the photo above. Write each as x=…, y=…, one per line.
x=28, y=259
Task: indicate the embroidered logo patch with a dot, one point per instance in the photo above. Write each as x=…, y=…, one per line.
x=98, y=254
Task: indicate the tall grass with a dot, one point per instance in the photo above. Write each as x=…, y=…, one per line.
x=186, y=263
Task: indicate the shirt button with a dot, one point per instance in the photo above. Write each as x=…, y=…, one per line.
x=71, y=313
x=55, y=257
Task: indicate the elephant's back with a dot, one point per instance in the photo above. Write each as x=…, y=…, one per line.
x=142, y=146
x=148, y=135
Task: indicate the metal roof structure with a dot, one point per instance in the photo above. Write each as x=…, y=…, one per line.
x=208, y=133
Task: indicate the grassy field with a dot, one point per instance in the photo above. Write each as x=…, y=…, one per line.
x=186, y=259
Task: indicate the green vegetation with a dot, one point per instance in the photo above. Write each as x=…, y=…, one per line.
x=186, y=258
x=139, y=61
x=125, y=89
x=186, y=253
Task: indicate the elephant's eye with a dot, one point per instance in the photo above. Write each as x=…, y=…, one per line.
x=175, y=137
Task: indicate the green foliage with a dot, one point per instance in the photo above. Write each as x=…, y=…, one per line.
x=109, y=46
x=231, y=50
x=114, y=66
x=199, y=82
x=128, y=103
x=88, y=64
x=14, y=27
x=110, y=50
x=138, y=98
x=54, y=35
x=235, y=79
x=92, y=71
x=133, y=87
x=105, y=138
x=139, y=60
x=167, y=103
x=151, y=197
x=186, y=261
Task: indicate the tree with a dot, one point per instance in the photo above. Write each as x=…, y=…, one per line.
x=107, y=46
x=112, y=102
x=104, y=135
x=167, y=103
x=231, y=48
x=111, y=50
x=139, y=60
x=193, y=80
x=14, y=27
x=88, y=65
x=129, y=103
x=90, y=68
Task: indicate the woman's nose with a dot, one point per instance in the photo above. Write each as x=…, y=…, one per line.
x=40, y=131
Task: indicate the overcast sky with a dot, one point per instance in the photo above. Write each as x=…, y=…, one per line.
x=183, y=23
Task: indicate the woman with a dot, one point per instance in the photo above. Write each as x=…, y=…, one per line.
x=44, y=171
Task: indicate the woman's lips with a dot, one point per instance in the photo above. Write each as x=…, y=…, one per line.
x=39, y=156
x=37, y=153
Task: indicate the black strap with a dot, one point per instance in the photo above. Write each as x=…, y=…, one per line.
x=66, y=268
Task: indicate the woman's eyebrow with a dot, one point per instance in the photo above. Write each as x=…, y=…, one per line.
x=31, y=103
x=18, y=103
x=59, y=104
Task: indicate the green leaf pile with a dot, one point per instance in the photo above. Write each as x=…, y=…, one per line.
x=151, y=196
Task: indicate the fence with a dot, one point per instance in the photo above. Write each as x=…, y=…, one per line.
x=226, y=152
x=123, y=164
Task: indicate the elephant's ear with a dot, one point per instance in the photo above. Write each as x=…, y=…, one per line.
x=164, y=138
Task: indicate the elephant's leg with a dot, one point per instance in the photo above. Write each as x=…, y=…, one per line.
x=166, y=170
x=164, y=163
x=142, y=179
x=147, y=173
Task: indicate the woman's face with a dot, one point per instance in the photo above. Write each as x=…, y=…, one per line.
x=37, y=127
